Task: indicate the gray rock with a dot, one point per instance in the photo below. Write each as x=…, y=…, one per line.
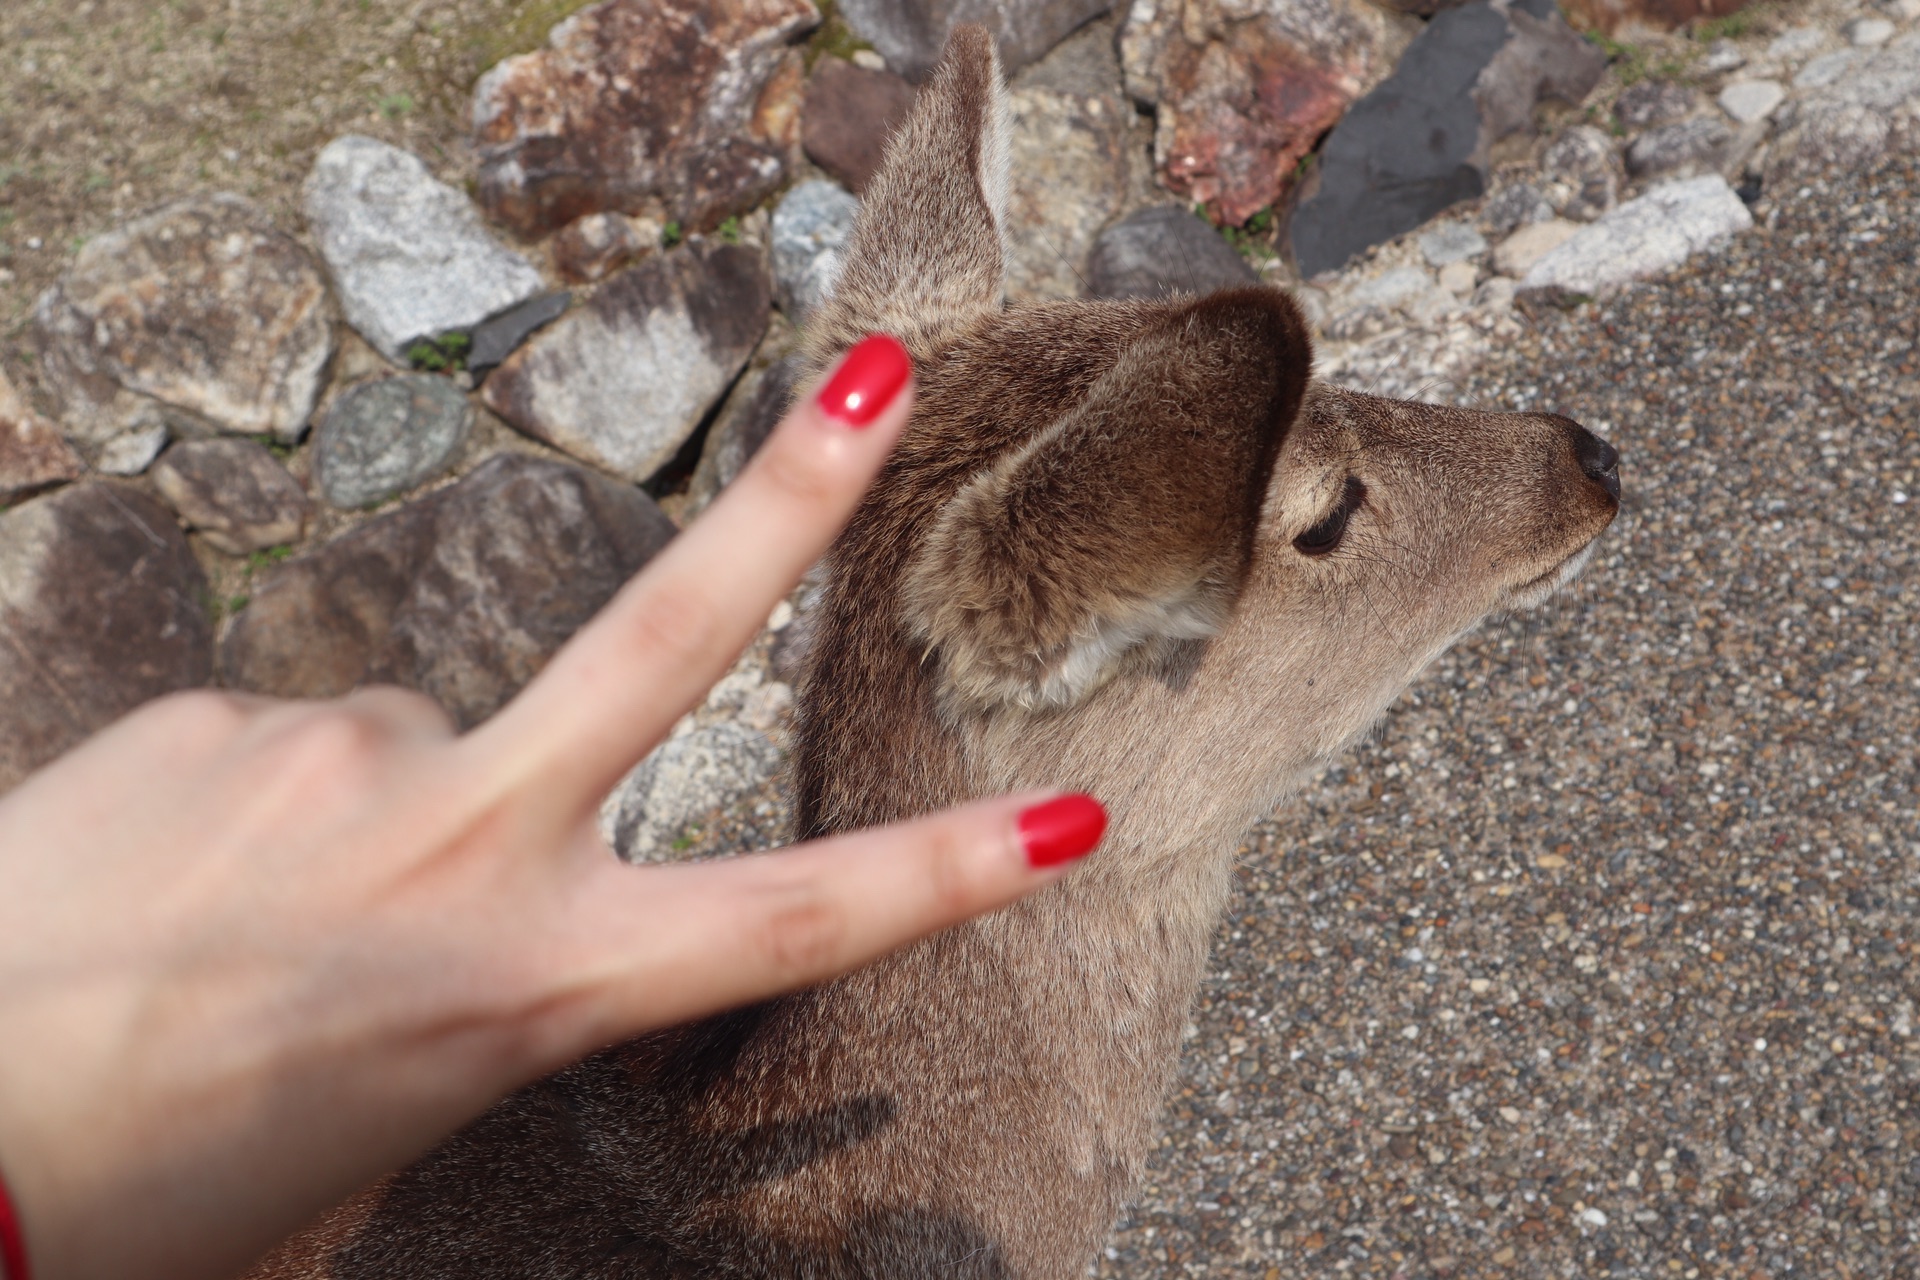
x=1583, y=172
x=409, y=256
x=463, y=594
x=1418, y=143
x=1796, y=43
x=1161, y=250
x=132, y=451
x=910, y=34
x=810, y=226
x=1683, y=149
x=1653, y=102
x=753, y=409
x=1869, y=33
x=1750, y=100
x=387, y=435
x=1662, y=228
x=1724, y=55
x=1446, y=242
x=1514, y=206
x=1519, y=251
x=200, y=315
x=233, y=491
x=1068, y=179
x=684, y=780
x=622, y=381
x=496, y=339
x=1825, y=69
x=103, y=608
x=33, y=456
x=1847, y=122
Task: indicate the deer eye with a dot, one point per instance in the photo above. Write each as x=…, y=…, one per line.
x=1326, y=535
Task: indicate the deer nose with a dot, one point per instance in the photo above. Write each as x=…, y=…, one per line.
x=1599, y=461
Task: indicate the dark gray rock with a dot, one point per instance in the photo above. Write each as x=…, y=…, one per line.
x=910, y=34
x=1653, y=102
x=849, y=114
x=463, y=594
x=103, y=608
x=758, y=402
x=1682, y=149
x=810, y=226
x=622, y=381
x=33, y=456
x=1419, y=141
x=1161, y=250
x=201, y=315
x=500, y=337
x=385, y=436
x=233, y=491
x=1512, y=207
x=1583, y=173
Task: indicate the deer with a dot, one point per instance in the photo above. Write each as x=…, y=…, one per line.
x=1131, y=548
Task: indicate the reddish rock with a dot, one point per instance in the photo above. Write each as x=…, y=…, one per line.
x=686, y=101
x=233, y=491
x=32, y=453
x=1245, y=90
x=103, y=608
x=1608, y=16
x=850, y=112
x=594, y=247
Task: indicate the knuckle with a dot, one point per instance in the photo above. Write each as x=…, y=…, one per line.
x=805, y=937
x=335, y=741
x=954, y=884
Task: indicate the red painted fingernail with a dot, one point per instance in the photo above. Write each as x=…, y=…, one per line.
x=1062, y=829
x=866, y=381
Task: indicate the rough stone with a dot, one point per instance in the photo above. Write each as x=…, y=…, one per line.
x=387, y=435
x=1869, y=33
x=1653, y=102
x=910, y=34
x=463, y=594
x=1160, y=250
x=1418, y=143
x=1842, y=136
x=1610, y=16
x=1724, y=55
x=1825, y=69
x=1583, y=171
x=1518, y=252
x=131, y=452
x=850, y=112
x=1845, y=123
x=496, y=339
x=623, y=380
x=1796, y=43
x=1459, y=278
x=593, y=247
x=1750, y=100
x=633, y=101
x=1244, y=89
x=103, y=607
x=1514, y=206
x=1642, y=237
x=33, y=456
x=753, y=409
x=682, y=781
x=810, y=226
x=408, y=254
x=200, y=315
x=234, y=492
x=1068, y=180
x=1682, y=149
x=1448, y=242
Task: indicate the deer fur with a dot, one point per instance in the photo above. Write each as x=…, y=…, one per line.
x=1079, y=571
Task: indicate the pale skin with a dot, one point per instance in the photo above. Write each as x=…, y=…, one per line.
x=255, y=954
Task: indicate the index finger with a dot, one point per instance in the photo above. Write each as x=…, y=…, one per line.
x=653, y=651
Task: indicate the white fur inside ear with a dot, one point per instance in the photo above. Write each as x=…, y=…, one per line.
x=1090, y=662
x=995, y=152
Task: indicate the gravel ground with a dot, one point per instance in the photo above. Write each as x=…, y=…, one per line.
x=1600, y=960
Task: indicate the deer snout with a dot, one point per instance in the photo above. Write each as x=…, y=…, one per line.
x=1599, y=461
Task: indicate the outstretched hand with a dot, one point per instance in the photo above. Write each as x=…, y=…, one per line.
x=255, y=954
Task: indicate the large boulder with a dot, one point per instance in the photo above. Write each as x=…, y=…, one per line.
x=1244, y=88
x=623, y=381
x=910, y=34
x=463, y=594
x=633, y=102
x=200, y=316
x=1420, y=141
x=103, y=608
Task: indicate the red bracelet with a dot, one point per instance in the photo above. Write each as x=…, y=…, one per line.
x=13, y=1247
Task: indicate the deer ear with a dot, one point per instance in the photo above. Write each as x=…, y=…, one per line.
x=1126, y=525
x=925, y=259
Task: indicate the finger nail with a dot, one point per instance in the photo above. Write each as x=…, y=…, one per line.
x=1062, y=829
x=866, y=381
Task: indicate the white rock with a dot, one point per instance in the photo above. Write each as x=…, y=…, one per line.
x=1825, y=69
x=1750, y=100
x=1868, y=33
x=1796, y=43
x=1905, y=10
x=132, y=452
x=1389, y=289
x=1444, y=243
x=1666, y=226
x=869, y=59
x=684, y=780
x=810, y=226
x=1458, y=278
x=1724, y=55
x=409, y=256
x=1519, y=251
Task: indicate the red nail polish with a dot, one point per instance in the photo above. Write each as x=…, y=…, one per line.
x=866, y=381
x=1062, y=829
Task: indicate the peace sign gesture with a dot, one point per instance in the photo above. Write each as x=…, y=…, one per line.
x=254, y=954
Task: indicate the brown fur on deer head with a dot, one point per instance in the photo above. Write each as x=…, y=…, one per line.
x=1129, y=548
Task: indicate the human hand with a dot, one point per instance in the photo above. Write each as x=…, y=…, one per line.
x=255, y=954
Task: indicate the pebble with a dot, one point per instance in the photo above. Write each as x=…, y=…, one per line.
x=1750, y=100
x=1459, y=278
x=1443, y=243
x=131, y=452
x=1161, y=250
x=1516, y=254
x=1582, y=168
x=810, y=227
x=1724, y=55
x=1660, y=229
x=388, y=435
x=234, y=492
x=592, y=247
x=1688, y=146
x=850, y=112
x=1652, y=102
x=1825, y=69
x=1796, y=43
x=1868, y=33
